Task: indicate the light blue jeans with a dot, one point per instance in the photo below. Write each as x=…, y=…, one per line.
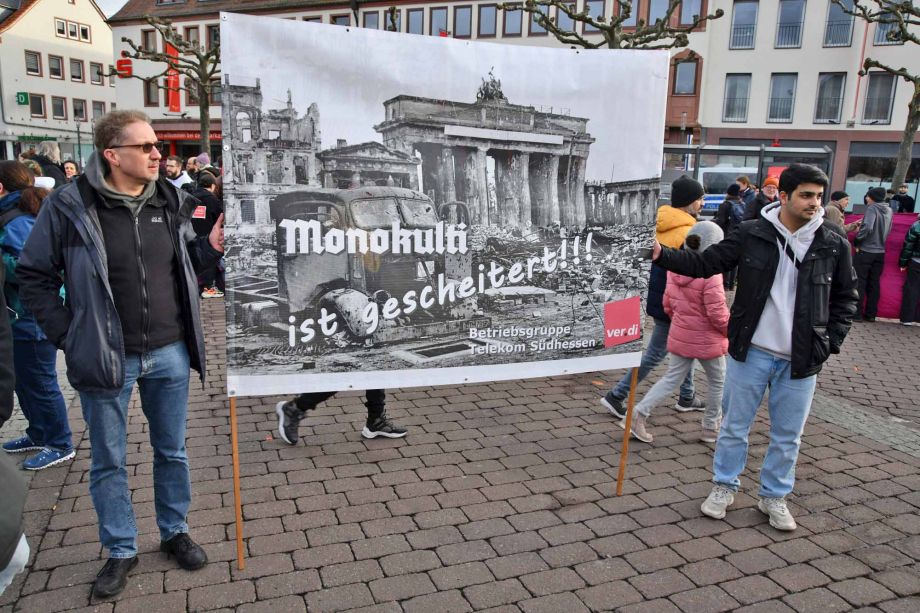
x=678, y=367
x=789, y=404
x=655, y=352
x=162, y=376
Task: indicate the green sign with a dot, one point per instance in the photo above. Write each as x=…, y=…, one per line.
x=34, y=138
x=22, y=98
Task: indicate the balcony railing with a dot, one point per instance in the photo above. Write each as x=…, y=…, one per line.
x=838, y=33
x=742, y=36
x=735, y=110
x=789, y=35
x=780, y=110
x=827, y=109
x=878, y=110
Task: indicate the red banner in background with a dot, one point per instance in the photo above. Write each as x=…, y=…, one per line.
x=172, y=80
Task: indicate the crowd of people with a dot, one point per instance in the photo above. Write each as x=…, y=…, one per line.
x=137, y=239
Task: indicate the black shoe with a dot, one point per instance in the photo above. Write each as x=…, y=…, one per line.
x=189, y=554
x=113, y=577
x=382, y=427
x=614, y=405
x=289, y=417
x=869, y=319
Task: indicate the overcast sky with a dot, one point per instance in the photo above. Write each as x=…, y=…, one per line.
x=110, y=6
x=350, y=72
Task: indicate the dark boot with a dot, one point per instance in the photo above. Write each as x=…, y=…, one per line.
x=189, y=554
x=113, y=577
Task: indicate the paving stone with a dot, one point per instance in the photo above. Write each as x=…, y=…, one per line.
x=568, y=555
x=444, y=602
x=339, y=598
x=707, y=572
x=552, y=581
x=661, y=605
x=409, y=562
x=649, y=560
x=881, y=557
x=799, y=577
x=861, y=591
x=797, y=550
x=554, y=603
x=461, y=575
x=661, y=583
x=517, y=543
x=316, y=557
x=223, y=595
x=379, y=546
x=704, y=600
x=755, y=588
x=755, y=561
x=292, y=604
x=495, y=594
x=470, y=551
x=515, y=565
x=601, y=597
x=841, y=567
x=901, y=581
x=153, y=603
x=605, y=570
x=362, y=571
x=816, y=600
x=401, y=587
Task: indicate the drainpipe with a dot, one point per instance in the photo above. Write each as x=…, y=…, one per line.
x=862, y=58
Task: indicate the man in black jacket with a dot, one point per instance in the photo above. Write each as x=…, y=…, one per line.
x=796, y=297
x=123, y=243
x=7, y=377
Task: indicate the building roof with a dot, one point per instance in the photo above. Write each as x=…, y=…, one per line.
x=138, y=9
x=12, y=10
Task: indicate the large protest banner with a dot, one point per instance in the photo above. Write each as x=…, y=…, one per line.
x=408, y=210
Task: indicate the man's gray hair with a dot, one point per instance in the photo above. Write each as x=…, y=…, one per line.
x=110, y=128
x=50, y=150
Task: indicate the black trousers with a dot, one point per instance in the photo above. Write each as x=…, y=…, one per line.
x=868, y=278
x=910, y=298
x=376, y=399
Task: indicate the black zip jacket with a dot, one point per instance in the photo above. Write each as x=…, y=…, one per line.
x=7, y=376
x=825, y=297
x=68, y=240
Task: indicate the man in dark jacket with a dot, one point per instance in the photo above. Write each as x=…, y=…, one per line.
x=909, y=262
x=7, y=377
x=769, y=193
x=902, y=201
x=125, y=248
x=49, y=158
x=870, y=252
x=205, y=215
x=796, y=296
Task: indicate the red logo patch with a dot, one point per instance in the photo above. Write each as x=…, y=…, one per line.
x=200, y=212
x=622, y=321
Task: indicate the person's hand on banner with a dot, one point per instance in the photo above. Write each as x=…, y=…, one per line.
x=216, y=237
x=652, y=252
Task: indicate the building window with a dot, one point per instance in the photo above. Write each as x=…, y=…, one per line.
x=879, y=98
x=151, y=93
x=76, y=70
x=213, y=36
x=657, y=10
x=372, y=20
x=685, y=78
x=112, y=76
x=487, y=18
x=438, y=25
x=313, y=19
x=98, y=109
x=96, y=76
x=563, y=21
x=149, y=40
x=60, y=28
x=247, y=211
x=535, y=28
x=595, y=11
x=629, y=22
x=463, y=21
x=340, y=20
x=789, y=25
x=58, y=107
x=838, y=31
x=192, y=36
x=690, y=10
x=37, y=105
x=216, y=93
x=744, y=25
x=782, y=97
x=72, y=31
x=830, y=97
x=887, y=31
x=79, y=109
x=737, y=92
x=55, y=67
x=191, y=93
x=34, y=63
x=85, y=35
x=415, y=21
x=513, y=22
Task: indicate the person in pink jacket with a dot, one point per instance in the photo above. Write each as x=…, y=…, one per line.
x=699, y=327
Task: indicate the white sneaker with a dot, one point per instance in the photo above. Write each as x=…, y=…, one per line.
x=775, y=508
x=637, y=429
x=718, y=500
x=907, y=323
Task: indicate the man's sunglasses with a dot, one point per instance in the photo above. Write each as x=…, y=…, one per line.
x=145, y=147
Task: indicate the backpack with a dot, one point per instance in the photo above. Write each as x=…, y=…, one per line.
x=9, y=215
x=736, y=213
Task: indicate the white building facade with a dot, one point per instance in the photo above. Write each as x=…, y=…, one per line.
x=56, y=55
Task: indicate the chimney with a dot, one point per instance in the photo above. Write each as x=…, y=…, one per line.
x=340, y=142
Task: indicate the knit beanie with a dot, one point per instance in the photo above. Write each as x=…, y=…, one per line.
x=684, y=191
x=204, y=159
x=839, y=195
x=734, y=190
x=702, y=235
x=877, y=194
x=771, y=181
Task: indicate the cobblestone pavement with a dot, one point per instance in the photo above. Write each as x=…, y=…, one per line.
x=502, y=499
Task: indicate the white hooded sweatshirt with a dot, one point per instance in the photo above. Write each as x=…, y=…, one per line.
x=774, y=330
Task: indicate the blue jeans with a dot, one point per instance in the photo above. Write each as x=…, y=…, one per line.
x=655, y=353
x=39, y=394
x=789, y=404
x=162, y=376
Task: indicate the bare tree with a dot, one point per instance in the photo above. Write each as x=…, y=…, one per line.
x=611, y=32
x=196, y=67
x=898, y=17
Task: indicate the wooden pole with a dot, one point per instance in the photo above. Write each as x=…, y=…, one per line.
x=633, y=383
x=234, y=442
